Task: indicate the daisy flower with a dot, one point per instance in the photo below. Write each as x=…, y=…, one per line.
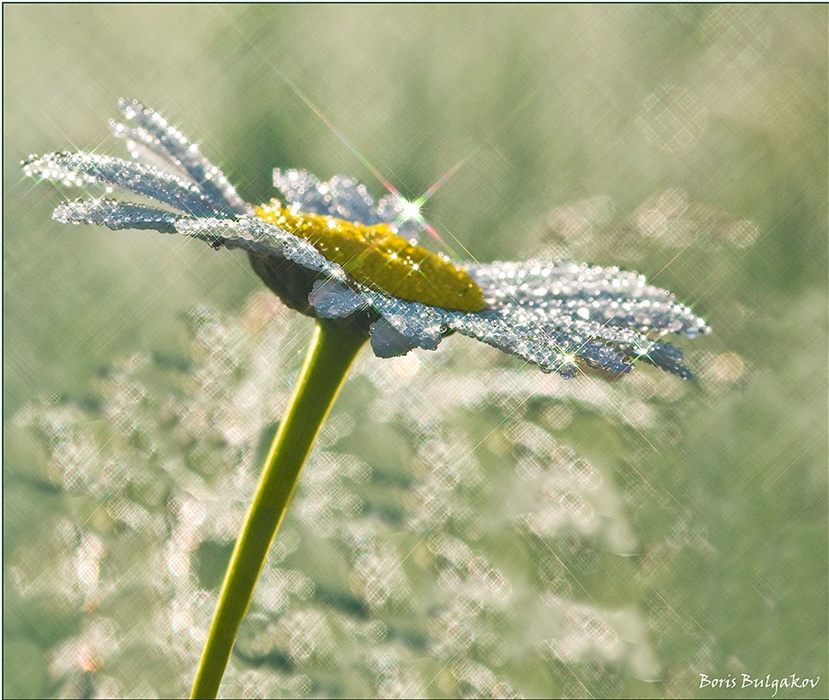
x=333, y=253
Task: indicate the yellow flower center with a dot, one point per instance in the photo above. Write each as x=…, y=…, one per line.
x=377, y=257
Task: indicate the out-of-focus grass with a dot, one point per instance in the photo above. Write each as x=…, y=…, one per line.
x=542, y=107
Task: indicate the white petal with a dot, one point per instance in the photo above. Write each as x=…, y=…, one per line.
x=330, y=299
x=386, y=341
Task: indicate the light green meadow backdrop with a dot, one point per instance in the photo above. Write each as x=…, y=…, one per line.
x=468, y=526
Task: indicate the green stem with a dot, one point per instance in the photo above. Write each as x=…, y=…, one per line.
x=329, y=358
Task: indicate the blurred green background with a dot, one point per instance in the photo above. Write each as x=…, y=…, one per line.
x=686, y=142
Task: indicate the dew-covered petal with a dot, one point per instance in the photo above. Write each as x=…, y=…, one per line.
x=258, y=236
x=668, y=357
x=116, y=215
x=142, y=147
x=177, y=153
x=602, y=295
x=331, y=299
x=423, y=325
x=340, y=197
x=387, y=341
x=81, y=169
x=555, y=348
